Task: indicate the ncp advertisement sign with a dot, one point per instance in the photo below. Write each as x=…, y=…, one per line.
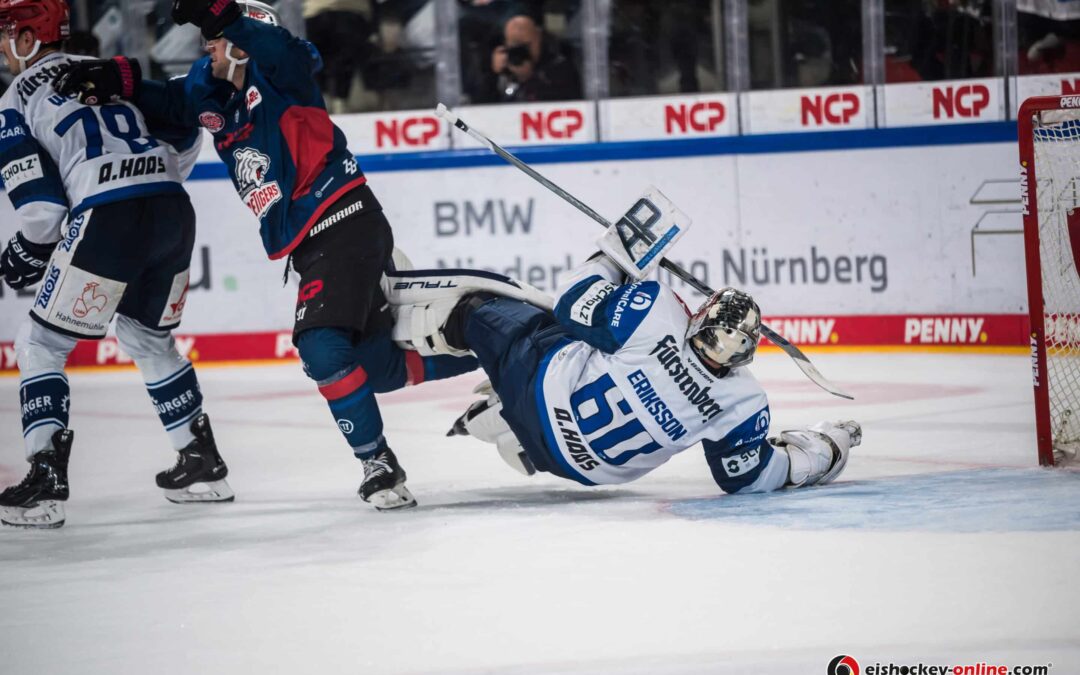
x=668, y=117
x=944, y=102
x=792, y=110
x=1058, y=84
x=530, y=123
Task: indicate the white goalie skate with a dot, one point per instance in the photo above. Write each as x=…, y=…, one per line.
x=483, y=420
x=818, y=454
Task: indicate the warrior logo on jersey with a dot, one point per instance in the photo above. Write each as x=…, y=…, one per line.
x=212, y=121
x=251, y=169
x=90, y=300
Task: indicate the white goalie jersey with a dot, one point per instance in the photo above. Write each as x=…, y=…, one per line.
x=629, y=392
x=60, y=157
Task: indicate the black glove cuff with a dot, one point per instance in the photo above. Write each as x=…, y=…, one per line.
x=130, y=73
x=42, y=251
x=218, y=15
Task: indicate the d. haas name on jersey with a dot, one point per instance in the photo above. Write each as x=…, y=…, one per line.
x=131, y=167
x=575, y=444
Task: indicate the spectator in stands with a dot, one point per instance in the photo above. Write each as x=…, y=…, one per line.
x=1047, y=45
x=341, y=30
x=532, y=66
x=480, y=27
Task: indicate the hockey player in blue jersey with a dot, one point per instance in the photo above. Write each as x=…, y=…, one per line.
x=621, y=378
x=256, y=94
x=105, y=223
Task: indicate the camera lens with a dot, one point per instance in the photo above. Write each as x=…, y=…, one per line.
x=518, y=54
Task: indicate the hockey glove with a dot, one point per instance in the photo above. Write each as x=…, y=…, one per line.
x=100, y=81
x=211, y=16
x=23, y=262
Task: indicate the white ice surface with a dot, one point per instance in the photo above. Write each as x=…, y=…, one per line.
x=941, y=543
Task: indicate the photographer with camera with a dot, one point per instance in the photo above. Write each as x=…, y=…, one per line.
x=532, y=66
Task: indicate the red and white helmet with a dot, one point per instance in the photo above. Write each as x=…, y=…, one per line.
x=49, y=19
x=260, y=11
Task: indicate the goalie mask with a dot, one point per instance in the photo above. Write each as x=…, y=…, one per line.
x=726, y=329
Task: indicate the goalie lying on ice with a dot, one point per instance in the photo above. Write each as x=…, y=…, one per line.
x=621, y=378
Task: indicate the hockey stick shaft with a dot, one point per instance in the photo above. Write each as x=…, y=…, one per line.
x=791, y=350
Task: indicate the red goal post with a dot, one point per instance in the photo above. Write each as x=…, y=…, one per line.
x=1049, y=139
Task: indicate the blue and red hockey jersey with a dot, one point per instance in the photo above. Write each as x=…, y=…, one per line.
x=287, y=159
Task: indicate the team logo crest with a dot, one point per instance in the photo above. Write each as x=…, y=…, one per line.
x=90, y=300
x=212, y=121
x=251, y=169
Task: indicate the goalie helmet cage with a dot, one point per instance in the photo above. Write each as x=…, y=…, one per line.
x=1049, y=138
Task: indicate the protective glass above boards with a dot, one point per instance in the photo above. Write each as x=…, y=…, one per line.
x=804, y=43
x=657, y=48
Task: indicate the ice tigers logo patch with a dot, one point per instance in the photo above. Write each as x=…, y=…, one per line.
x=251, y=169
x=212, y=121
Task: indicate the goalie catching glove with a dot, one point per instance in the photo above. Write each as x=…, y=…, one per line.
x=817, y=455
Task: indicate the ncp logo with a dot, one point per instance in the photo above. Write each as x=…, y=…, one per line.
x=705, y=116
x=1069, y=88
x=411, y=131
x=968, y=100
x=843, y=665
x=830, y=109
x=557, y=124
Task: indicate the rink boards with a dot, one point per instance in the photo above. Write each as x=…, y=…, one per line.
x=875, y=237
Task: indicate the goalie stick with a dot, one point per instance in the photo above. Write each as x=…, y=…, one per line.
x=791, y=350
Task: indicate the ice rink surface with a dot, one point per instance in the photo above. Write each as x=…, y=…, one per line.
x=941, y=543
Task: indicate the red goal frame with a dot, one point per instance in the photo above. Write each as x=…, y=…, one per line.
x=1025, y=125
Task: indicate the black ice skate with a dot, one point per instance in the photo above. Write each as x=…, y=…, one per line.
x=199, y=474
x=38, y=501
x=384, y=483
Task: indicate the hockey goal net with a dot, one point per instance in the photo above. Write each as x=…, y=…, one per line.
x=1049, y=133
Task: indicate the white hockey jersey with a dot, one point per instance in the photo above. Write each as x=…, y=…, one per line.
x=629, y=392
x=60, y=157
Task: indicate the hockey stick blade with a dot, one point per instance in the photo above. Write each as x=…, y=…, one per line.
x=803, y=363
x=791, y=350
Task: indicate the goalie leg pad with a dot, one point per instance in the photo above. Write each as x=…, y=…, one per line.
x=422, y=301
x=820, y=453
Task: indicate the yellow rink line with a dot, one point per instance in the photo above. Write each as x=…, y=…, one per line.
x=816, y=349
